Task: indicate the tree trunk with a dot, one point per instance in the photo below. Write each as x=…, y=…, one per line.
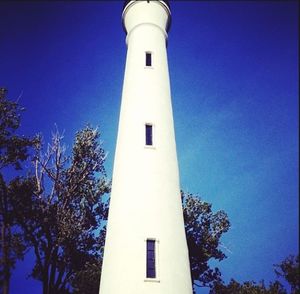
x=5, y=236
x=53, y=271
x=45, y=281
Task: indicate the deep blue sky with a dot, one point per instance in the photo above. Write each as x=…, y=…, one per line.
x=234, y=79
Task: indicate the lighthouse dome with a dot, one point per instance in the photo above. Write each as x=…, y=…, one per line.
x=142, y=15
x=165, y=1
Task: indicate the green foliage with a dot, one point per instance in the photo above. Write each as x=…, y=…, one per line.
x=60, y=210
x=87, y=279
x=13, y=148
x=204, y=230
x=249, y=287
x=13, y=151
x=289, y=270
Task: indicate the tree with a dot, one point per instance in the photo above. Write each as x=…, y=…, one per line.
x=62, y=210
x=13, y=148
x=289, y=270
x=204, y=230
x=87, y=279
x=248, y=287
x=13, y=151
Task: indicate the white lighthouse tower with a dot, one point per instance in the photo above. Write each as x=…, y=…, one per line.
x=145, y=248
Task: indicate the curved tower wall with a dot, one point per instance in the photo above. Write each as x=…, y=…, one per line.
x=145, y=200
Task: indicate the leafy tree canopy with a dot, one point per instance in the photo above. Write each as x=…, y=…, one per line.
x=13, y=148
x=249, y=287
x=204, y=229
x=60, y=209
x=287, y=269
x=13, y=151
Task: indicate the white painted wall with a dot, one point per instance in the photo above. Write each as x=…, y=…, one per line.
x=145, y=199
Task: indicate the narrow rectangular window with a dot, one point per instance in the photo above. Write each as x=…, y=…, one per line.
x=149, y=135
x=151, y=273
x=148, y=59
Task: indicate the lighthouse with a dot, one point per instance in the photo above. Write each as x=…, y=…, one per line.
x=145, y=248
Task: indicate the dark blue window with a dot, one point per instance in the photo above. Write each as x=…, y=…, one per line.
x=151, y=273
x=149, y=135
x=148, y=59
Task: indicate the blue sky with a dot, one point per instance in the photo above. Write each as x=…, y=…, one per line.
x=234, y=80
